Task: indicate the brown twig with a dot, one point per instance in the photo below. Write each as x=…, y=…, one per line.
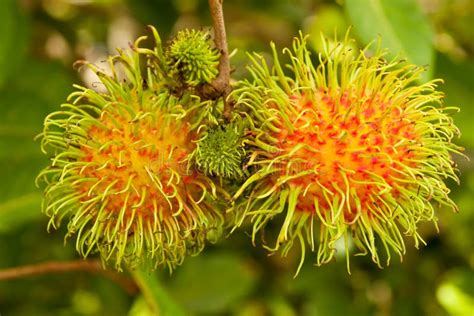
x=91, y=266
x=220, y=86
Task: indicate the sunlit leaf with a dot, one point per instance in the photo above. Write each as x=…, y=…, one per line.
x=140, y=308
x=402, y=27
x=327, y=20
x=456, y=293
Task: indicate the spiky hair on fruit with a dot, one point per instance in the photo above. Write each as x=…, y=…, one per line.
x=355, y=149
x=120, y=173
x=192, y=58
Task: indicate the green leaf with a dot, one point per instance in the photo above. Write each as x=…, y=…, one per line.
x=327, y=291
x=24, y=102
x=212, y=282
x=401, y=25
x=158, y=300
x=14, y=36
x=16, y=211
x=458, y=87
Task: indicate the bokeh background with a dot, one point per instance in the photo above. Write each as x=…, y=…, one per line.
x=40, y=40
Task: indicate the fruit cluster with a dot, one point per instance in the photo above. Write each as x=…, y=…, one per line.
x=354, y=148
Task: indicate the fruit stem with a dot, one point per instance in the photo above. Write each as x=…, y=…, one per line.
x=220, y=86
x=158, y=300
x=52, y=267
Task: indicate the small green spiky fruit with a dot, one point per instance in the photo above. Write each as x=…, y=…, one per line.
x=354, y=149
x=120, y=171
x=220, y=151
x=192, y=58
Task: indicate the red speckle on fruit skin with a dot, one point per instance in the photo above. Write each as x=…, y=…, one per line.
x=354, y=146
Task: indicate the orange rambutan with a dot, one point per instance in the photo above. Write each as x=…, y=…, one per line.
x=120, y=168
x=355, y=149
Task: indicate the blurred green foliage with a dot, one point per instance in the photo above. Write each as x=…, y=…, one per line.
x=39, y=41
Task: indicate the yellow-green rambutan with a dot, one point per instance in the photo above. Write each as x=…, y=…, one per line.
x=120, y=172
x=355, y=149
x=192, y=58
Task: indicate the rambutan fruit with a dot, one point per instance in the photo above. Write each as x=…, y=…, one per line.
x=120, y=170
x=354, y=149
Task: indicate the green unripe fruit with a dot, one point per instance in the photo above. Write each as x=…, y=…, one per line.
x=220, y=152
x=192, y=58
